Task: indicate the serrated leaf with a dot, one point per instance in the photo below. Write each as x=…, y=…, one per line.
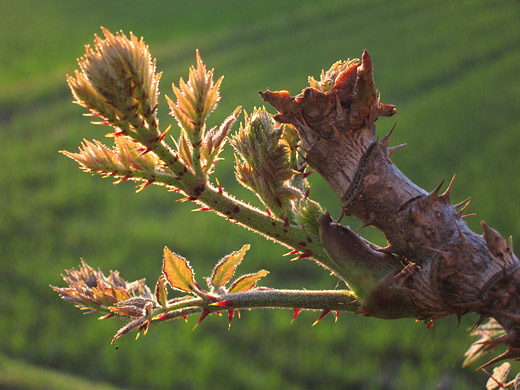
x=226, y=267
x=247, y=282
x=160, y=291
x=178, y=271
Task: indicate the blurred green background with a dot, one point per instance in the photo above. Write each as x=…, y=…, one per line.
x=452, y=69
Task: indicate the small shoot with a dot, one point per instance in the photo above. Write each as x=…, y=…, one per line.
x=195, y=99
x=117, y=82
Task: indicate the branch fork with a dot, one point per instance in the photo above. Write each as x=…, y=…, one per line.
x=432, y=267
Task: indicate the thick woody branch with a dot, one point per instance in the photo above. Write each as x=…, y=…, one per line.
x=445, y=267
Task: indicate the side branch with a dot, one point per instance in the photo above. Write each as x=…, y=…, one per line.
x=321, y=300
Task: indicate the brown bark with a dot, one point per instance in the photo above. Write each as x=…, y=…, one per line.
x=445, y=267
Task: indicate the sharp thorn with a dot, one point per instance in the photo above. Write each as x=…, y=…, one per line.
x=392, y=149
x=225, y=303
x=435, y=192
x=230, y=316
x=219, y=187
x=293, y=252
x=142, y=186
x=204, y=314
x=296, y=312
x=201, y=209
x=323, y=314
x=446, y=194
x=161, y=137
x=307, y=174
x=163, y=316
x=459, y=318
x=477, y=324
x=146, y=327
x=386, y=138
x=505, y=355
x=461, y=206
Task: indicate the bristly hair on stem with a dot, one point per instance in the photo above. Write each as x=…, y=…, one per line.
x=112, y=296
x=118, y=83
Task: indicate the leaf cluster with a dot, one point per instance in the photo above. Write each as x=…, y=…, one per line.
x=111, y=295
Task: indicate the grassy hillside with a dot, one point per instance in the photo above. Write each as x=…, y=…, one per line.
x=450, y=67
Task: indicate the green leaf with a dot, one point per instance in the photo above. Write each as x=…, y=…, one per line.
x=226, y=267
x=247, y=282
x=178, y=271
x=160, y=291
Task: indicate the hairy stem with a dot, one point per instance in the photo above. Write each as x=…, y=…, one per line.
x=338, y=300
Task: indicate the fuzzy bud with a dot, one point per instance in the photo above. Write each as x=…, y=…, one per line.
x=263, y=163
x=117, y=81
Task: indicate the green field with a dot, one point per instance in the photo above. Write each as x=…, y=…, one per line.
x=452, y=69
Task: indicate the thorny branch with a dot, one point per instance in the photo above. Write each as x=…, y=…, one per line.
x=433, y=266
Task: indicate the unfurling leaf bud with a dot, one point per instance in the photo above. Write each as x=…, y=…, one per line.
x=125, y=160
x=117, y=81
x=91, y=289
x=309, y=214
x=263, y=163
x=337, y=71
x=216, y=138
x=161, y=295
x=195, y=100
